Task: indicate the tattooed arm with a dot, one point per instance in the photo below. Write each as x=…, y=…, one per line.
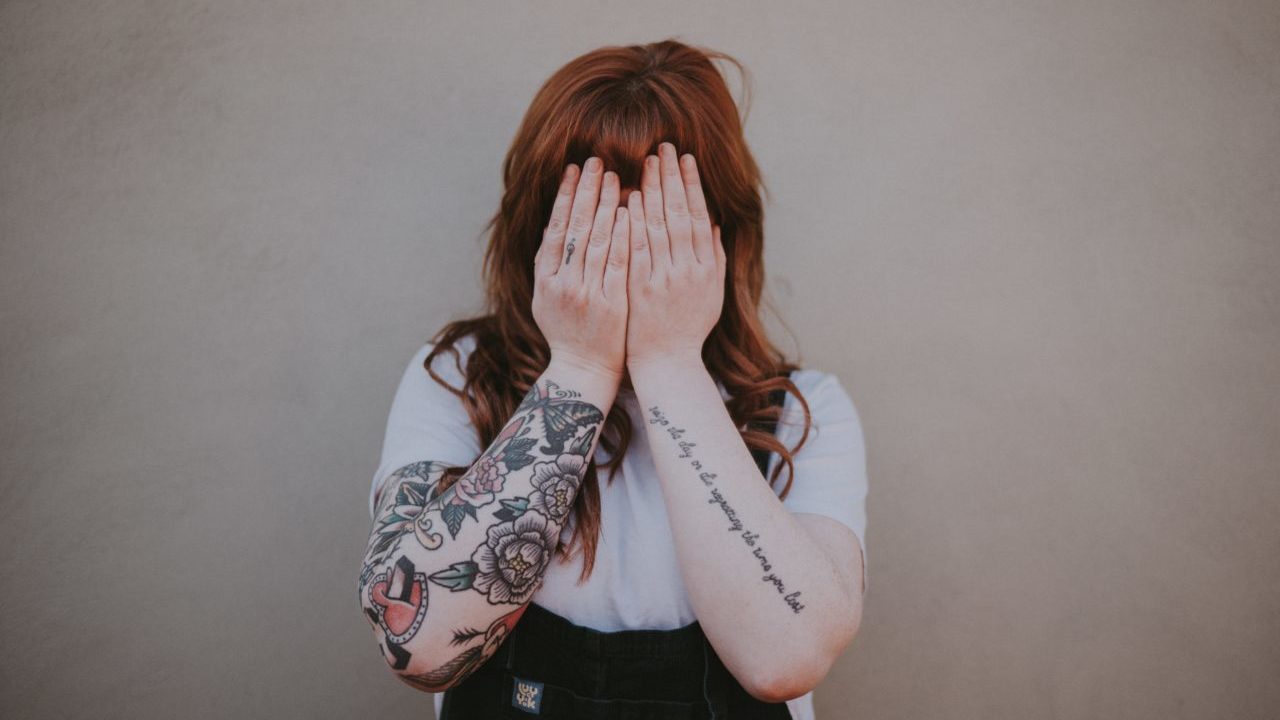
x=773, y=590
x=758, y=576
x=447, y=574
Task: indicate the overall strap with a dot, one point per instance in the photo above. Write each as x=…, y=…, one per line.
x=761, y=455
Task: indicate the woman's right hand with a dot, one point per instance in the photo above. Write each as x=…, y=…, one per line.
x=580, y=273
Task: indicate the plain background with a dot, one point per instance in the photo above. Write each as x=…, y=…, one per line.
x=1039, y=242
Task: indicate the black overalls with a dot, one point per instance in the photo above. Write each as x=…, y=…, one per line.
x=551, y=668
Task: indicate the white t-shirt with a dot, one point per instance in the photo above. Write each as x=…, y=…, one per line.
x=637, y=585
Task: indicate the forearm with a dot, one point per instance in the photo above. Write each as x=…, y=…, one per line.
x=447, y=574
x=764, y=592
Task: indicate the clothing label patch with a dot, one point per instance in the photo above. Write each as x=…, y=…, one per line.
x=527, y=695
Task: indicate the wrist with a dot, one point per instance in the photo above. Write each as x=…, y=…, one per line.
x=568, y=361
x=597, y=384
x=665, y=364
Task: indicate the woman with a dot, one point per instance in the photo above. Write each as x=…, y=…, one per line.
x=623, y=281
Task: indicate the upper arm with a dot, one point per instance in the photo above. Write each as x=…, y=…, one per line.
x=427, y=422
x=829, y=489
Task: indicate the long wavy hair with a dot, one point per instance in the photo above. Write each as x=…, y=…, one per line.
x=619, y=103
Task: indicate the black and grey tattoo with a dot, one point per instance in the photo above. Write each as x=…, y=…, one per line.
x=569, y=250
x=749, y=538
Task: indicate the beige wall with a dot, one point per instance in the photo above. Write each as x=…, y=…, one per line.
x=1039, y=242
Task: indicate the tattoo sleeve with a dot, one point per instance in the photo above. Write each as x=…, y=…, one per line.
x=448, y=573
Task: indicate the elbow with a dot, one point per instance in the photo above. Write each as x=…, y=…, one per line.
x=421, y=667
x=413, y=663
x=786, y=683
x=393, y=603
x=786, y=680
x=429, y=677
x=425, y=671
x=425, y=663
x=781, y=686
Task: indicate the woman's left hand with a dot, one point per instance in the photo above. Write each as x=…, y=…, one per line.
x=675, y=284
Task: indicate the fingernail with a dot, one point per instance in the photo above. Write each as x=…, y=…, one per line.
x=651, y=161
x=593, y=164
x=609, y=175
x=569, y=170
x=666, y=146
x=687, y=160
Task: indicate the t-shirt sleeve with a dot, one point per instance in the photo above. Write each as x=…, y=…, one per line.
x=831, y=468
x=427, y=421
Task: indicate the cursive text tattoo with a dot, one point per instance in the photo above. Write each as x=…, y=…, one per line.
x=749, y=538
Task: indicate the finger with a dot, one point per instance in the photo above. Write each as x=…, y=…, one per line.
x=547, y=259
x=581, y=220
x=615, y=269
x=638, y=268
x=675, y=206
x=598, y=244
x=655, y=222
x=699, y=218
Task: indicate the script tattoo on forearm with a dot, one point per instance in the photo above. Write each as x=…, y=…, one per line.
x=551, y=433
x=749, y=538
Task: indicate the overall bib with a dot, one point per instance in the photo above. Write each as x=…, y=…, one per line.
x=550, y=668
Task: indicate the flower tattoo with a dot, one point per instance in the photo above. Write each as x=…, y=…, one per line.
x=556, y=485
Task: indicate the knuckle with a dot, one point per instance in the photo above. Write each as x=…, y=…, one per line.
x=580, y=224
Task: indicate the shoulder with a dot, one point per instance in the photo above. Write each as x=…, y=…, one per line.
x=449, y=363
x=828, y=399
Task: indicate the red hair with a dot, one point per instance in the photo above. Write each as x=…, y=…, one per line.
x=618, y=103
